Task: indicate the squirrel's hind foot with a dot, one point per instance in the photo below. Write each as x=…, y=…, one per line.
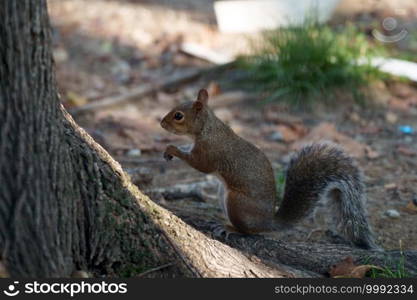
x=220, y=231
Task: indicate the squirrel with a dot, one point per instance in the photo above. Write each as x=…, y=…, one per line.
x=316, y=172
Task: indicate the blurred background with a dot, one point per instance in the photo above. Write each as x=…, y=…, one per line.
x=281, y=73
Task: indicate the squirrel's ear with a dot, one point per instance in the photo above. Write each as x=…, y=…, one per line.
x=201, y=100
x=198, y=105
x=203, y=96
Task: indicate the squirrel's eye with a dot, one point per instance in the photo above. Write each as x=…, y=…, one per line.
x=178, y=116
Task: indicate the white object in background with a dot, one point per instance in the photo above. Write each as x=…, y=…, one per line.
x=206, y=53
x=256, y=15
x=396, y=67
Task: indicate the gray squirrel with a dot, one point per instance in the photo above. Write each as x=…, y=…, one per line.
x=316, y=172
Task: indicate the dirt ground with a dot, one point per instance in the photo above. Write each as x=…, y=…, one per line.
x=104, y=48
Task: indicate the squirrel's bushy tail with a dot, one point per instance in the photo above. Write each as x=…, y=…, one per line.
x=323, y=171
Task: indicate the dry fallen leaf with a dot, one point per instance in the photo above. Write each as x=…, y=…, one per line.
x=402, y=90
x=344, y=267
x=411, y=208
x=406, y=151
x=355, y=117
x=399, y=104
x=214, y=89
x=371, y=154
x=75, y=99
x=347, y=269
x=360, y=271
x=390, y=186
x=278, y=117
x=370, y=129
x=79, y=274
x=288, y=134
x=391, y=117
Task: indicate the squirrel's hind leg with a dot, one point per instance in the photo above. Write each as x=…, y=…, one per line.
x=249, y=215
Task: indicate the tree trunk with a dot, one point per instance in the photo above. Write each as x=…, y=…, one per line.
x=66, y=205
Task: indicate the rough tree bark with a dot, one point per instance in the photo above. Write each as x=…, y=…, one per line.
x=65, y=204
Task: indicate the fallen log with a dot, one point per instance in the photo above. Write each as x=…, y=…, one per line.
x=138, y=92
x=319, y=258
x=145, y=89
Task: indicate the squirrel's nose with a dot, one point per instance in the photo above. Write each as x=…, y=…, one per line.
x=163, y=123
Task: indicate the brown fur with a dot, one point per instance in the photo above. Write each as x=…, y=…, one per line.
x=249, y=177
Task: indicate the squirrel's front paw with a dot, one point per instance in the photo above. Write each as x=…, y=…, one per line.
x=170, y=152
x=168, y=156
